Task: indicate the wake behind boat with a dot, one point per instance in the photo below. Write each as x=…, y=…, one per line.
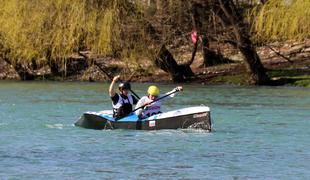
x=197, y=117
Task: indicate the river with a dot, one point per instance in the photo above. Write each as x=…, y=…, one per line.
x=258, y=133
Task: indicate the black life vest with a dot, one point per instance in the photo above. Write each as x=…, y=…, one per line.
x=123, y=107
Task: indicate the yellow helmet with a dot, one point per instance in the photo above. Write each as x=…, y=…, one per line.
x=153, y=90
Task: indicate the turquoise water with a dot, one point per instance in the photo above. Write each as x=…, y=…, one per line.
x=258, y=133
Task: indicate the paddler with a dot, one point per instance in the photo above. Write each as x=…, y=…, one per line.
x=123, y=102
x=150, y=104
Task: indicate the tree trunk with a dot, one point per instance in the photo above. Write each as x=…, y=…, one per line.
x=23, y=72
x=167, y=63
x=210, y=57
x=244, y=44
x=254, y=65
x=160, y=6
x=165, y=60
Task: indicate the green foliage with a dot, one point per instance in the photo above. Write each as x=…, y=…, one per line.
x=241, y=79
x=282, y=20
x=303, y=81
x=34, y=28
x=284, y=72
x=53, y=30
x=292, y=76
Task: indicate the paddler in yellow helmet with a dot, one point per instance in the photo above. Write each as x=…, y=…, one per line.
x=150, y=104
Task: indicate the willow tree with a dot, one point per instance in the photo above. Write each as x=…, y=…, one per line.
x=231, y=17
x=281, y=20
x=42, y=31
x=49, y=32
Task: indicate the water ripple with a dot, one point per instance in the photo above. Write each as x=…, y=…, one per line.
x=258, y=133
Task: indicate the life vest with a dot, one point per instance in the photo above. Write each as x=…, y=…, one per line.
x=152, y=110
x=123, y=107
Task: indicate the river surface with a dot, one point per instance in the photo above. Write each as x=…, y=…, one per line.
x=258, y=133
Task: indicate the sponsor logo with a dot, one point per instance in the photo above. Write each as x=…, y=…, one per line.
x=152, y=123
x=200, y=115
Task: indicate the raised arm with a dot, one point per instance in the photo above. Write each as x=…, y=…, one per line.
x=176, y=89
x=111, y=88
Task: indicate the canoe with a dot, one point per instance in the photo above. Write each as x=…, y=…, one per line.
x=197, y=117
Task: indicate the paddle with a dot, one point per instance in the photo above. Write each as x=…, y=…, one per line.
x=104, y=71
x=134, y=94
x=175, y=90
x=111, y=78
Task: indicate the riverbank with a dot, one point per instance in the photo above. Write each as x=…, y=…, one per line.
x=286, y=64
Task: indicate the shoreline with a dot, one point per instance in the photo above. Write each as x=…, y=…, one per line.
x=280, y=75
x=294, y=71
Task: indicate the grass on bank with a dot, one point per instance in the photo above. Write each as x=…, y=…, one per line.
x=290, y=77
x=293, y=77
x=240, y=79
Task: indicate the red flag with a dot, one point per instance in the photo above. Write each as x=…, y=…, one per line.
x=194, y=37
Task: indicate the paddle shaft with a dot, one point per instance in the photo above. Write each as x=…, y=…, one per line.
x=176, y=90
x=111, y=78
x=106, y=73
x=134, y=94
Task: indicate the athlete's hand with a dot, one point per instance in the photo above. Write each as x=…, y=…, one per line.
x=116, y=78
x=179, y=88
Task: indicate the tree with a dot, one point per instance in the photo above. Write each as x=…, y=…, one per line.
x=281, y=20
x=129, y=29
x=235, y=30
x=161, y=36
x=231, y=17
